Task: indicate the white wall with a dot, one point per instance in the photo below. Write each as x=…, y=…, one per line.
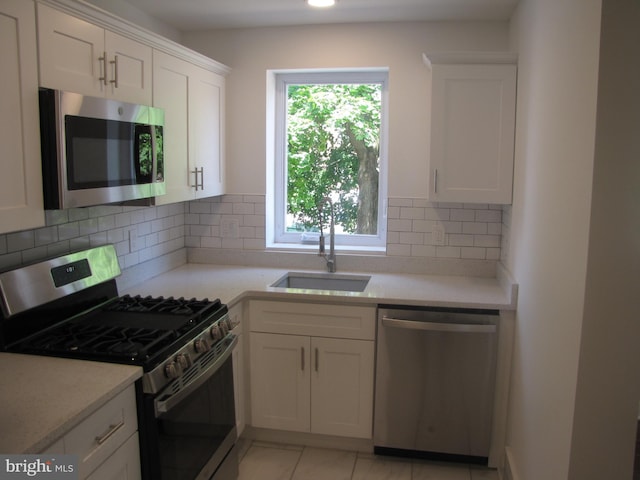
x=558, y=47
x=251, y=52
x=135, y=15
x=608, y=385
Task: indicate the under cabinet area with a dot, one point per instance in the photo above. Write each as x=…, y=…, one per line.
x=21, y=181
x=81, y=57
x=473, y=103
x=317, y=378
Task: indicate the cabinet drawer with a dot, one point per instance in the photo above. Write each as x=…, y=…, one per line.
x=97, y=437
x=315, y=319
x=124, y=464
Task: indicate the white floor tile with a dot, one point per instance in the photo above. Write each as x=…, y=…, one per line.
x=484, y=474
x=324, y=464
x=268, y=463
x=436, y=471
x=369, y=467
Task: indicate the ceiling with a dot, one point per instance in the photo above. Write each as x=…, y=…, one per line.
x=190, y=15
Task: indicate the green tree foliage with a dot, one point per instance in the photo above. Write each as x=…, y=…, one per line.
x=333, y=151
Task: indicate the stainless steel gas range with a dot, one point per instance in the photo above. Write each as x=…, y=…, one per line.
x=69, y=306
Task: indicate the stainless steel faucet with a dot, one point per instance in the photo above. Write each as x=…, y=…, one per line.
x=331, y=258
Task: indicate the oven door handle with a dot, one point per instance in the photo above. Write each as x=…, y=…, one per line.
x=163, y=406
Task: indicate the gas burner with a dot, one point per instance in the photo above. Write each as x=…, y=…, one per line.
x=175, y=306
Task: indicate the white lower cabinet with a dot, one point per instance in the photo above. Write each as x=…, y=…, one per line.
x=308, y=383
x=123, y=464
x=106, y=442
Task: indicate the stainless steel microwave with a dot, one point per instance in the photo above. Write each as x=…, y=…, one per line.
x=97, y=151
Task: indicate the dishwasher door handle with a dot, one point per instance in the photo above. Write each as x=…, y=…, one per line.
x=437, y=326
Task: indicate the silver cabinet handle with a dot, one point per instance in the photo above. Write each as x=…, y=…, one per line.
x=437, y=326
x=317, y=360
x=435, y=180
x=196, y=172
x=114, y=62
x=103, y=68
x=112, y=430
x=302, y=358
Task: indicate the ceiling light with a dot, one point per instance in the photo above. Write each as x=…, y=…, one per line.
x=321, y=3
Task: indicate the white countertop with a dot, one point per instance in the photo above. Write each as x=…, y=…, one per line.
x=42, y=398
x=234, y=283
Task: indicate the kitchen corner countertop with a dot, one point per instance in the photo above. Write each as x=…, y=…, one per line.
x=42, y=398
x=235, y=283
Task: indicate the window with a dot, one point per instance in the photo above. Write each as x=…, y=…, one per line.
x=330, y=154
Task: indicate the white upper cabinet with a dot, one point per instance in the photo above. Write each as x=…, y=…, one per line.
x=81, y=57
x=171, y=89
x=473, y=103
x=193, y=100
x=21, y=180
x=206, y=142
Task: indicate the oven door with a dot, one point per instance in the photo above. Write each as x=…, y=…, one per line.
x=193, y=430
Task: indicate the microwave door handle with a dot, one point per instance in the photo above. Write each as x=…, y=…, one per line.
x=154, y=154
x=141, y=130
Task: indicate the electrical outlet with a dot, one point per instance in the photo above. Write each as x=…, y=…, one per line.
x=437, y=234
x=133, y=239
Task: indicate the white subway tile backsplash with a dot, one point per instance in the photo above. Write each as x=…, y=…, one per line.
x=448, y=252
x=399, y=225
x=20, y=240
x=474, y=227
x=68, y=231
x=160, y=230
x=471, y=231
x=199, y=207
x=412, y=213
x=474, y=232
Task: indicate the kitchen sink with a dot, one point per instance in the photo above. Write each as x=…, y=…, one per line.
x=323, y=281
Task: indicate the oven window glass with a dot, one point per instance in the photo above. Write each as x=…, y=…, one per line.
x=192, y=431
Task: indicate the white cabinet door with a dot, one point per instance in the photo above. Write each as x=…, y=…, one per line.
x=71, y=53
x=193, y=100
x=472, y=133
x=21, y=204
x=78, y=56
x=128, y=69
x=280, y=380
x=342, y=387
x=206, y=136
x=123, y=464
x=171, y=81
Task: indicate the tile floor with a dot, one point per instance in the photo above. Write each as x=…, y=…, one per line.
x=270, y=461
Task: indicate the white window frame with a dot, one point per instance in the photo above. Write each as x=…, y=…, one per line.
x=276, y=236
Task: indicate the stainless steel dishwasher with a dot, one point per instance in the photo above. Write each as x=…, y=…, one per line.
x=435, y=381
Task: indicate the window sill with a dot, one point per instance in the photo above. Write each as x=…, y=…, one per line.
x=299, y=247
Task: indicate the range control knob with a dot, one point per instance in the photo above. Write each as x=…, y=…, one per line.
x=224, y=328
x=215, y=333
x=171, y=370
x=201, y=345
x=184, y=360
